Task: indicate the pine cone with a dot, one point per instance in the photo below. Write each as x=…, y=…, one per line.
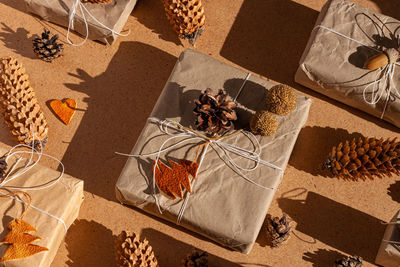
x=354, y=261
x=47, y=48
x=364, y=158
x=186, y=17
x=3, y=166
x=196, y=259
x=215, y=114
x=278, y=230
x=131, y=252
x=19, y=105
x=97, y=1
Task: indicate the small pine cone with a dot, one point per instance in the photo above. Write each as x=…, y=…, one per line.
x=97, y=1
x=278, y=230
x=354, y=261
x=364, y=159
x=3, y=166
x=131, y=252
x=19, y=105
x=47, y=48
x=196, y=259
x=215, y=114
x=186, y=17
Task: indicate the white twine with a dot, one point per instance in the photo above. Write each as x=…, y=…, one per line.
x=383, y=79
x=83, y=9
x=27, y=166
x=180, y=132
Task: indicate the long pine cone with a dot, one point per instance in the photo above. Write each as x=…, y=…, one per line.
x=364, y=158
x=186, y=17
x=19, y=105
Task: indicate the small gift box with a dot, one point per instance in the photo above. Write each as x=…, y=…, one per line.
x=55, y=202
x=238, y=174
x=389, y=251
x=102, y=22
x=336, y=61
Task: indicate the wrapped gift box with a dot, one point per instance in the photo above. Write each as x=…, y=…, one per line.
x=53, y=210
x=345, y=36
x=113, y=15
x=389, y=251
x=223, y=205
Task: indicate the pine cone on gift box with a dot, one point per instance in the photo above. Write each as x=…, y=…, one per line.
x=97, y=1
x=19, y=105
x=215, y=114
x=278, y=229
x=364, y=158
x=47, y=48
x=196, y=259
x=354, y=261
x=186, y=17
x=131, y=252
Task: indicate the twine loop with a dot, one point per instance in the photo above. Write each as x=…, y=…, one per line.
x=78, y=5
x=216, y=143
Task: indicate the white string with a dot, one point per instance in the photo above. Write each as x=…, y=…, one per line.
x=248, y=154
x=28, y=166
x=83, y=9
x=392, y=242
x=384, y=76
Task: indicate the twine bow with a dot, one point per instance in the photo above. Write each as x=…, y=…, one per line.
x=383, y=81
x=214, y=142
x=30, y=163
x=83, y=10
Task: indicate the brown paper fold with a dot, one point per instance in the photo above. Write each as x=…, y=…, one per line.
x=62, y=200
x=333, y=65
x=223, y=206
x=113, y=15
x=389, y=253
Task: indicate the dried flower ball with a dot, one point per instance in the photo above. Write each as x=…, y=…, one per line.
x=264, y=123
x=281, y=99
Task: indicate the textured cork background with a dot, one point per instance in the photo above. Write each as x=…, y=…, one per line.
x=116, y=88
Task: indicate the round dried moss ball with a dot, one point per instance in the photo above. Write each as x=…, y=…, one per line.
x=281, y=99
x=264, y=123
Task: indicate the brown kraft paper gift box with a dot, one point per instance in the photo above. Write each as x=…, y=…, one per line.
x=113, y=15
x=333, y=65
x=389, y=253
x=62, y=200
x=223, y=205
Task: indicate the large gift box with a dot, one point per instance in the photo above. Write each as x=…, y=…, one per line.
x=344, y=37
x=389, y=251
x=104, y=21
x=228, y=203
x=54, y=207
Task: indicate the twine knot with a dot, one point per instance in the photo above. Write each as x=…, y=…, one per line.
x=392, y=54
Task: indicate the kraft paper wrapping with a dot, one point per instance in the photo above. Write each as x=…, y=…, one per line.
x=113, y=15
x=333, y=65
x=223, y=206
x=389, y=253
x=62, y=200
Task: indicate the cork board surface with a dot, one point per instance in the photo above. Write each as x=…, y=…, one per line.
x=116, y=88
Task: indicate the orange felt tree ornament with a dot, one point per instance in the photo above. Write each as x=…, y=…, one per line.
x=18, y=238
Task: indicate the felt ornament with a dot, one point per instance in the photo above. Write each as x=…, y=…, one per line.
x=18, y=239
x=64, y=110
x=171, y=179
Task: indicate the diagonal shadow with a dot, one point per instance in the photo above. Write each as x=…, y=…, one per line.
x=337, y=225
x=151, y=14
x=86, y=241
x=313, y=146
x=118, y=104
x=17, y=40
